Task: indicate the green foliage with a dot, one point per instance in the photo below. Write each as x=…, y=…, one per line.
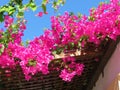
x=32, y=6
x=2, y=49
x=57, y=3
x=44, y=8
x=58, y=50
x=6, y=38
x=32, y=62
x=11, y=10
x=91, y=18
x=17, y=8
x=1, y=17
x=20, y=14
x=79, y=15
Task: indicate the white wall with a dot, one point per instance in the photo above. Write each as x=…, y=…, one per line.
x=110, y=72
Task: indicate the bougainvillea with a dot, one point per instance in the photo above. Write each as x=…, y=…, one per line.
x=67, y=32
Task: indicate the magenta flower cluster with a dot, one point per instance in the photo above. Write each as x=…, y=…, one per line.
x=67, y=31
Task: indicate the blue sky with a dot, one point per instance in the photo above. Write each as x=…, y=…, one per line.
x=36, y=25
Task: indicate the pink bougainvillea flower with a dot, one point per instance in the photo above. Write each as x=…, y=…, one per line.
x=66, y=75
x=40, y=14
x=79, y=68
x=8, y=75
x=1, y=46
x=1, y=31
x=22, y=26
x=67, y=32
x=45, y=12
x=8, y=21
x=7, y=71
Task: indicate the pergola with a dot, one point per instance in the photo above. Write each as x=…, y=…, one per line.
x=93, y=68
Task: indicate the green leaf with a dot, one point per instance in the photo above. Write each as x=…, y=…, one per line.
x=72, y=45
x=79, y=15
x=19, y=2
x=44, y=2
x=33, y=6
x=20, y=8
x=4, y=9
x=44, y=8
x=71, y=13
x=1, y=17
x=55, y=5
x=20, y=14
x=11, y=10
x=101, y=3
x=54, y=52
x=32, y=62
x=27, y=42
x=63, y=2
x=2, y=49
x=59, y=50
x=91, y=18
x=59, y=2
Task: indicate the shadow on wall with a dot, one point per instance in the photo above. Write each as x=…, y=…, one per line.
x=111, y=70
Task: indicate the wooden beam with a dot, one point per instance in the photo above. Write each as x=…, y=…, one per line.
x=111, y=48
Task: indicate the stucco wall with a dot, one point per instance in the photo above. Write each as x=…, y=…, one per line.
x=110, y=72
